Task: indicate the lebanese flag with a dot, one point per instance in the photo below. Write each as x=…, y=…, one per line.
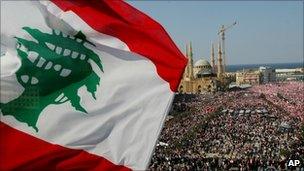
x=85, y=85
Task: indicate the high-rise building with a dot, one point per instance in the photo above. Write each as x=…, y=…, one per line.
x=268, y=74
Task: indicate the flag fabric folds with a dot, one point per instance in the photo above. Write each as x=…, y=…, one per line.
x=84, y=85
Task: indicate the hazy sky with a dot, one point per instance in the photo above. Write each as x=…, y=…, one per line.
x=267, y=32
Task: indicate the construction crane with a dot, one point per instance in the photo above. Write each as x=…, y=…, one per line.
x=222, y=34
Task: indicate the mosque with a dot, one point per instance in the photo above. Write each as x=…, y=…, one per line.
x=202, y=76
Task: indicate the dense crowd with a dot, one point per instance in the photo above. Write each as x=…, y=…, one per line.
x=286, y=95
x=253, y=129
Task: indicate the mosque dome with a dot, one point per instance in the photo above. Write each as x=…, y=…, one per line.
x=202, y=63
x=202, y=68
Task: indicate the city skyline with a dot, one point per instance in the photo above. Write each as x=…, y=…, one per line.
x=266, y=31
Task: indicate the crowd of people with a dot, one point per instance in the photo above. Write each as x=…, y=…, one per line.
x=286, y=95
x=253, y=129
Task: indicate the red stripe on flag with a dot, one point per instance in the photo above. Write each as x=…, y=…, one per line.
x=142, y=34
x=20, y=151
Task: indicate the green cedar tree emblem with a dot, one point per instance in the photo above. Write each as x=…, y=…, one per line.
x=52, y=70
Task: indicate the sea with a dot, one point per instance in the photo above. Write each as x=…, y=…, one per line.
x=234, y=68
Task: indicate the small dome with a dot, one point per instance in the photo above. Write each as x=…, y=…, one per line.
x=205, y=72
x=202, y=63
